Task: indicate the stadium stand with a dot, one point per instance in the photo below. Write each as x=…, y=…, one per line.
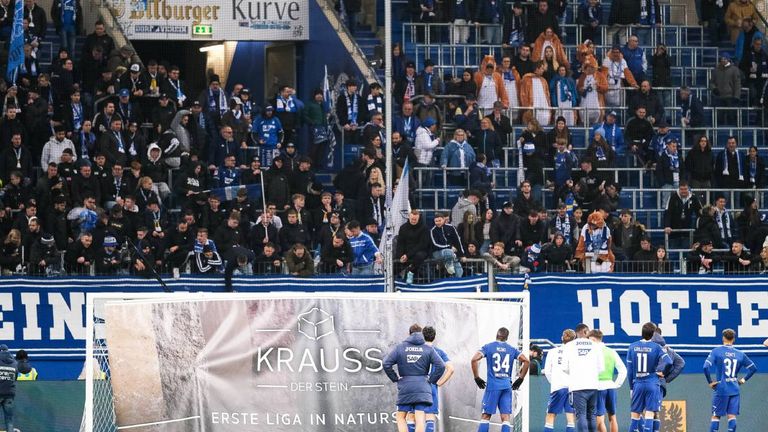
x=654, y=131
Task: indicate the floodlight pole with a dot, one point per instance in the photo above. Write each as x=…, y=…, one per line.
x=389, y=275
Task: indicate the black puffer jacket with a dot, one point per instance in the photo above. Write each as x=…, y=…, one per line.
x=412, y=239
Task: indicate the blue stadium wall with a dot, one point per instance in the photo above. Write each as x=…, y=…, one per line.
x=323, y=48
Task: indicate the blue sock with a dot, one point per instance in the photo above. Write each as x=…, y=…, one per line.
x=505, y=427
x=648, y=425
x=430, y=426
x=656, y=425
x=411, y=427
x=732, y=425
x=634, y=426
x=570, y=428
x=549, y=428
x=714, y=426
x=484, y=426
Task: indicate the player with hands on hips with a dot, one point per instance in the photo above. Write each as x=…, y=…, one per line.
x=646, y=362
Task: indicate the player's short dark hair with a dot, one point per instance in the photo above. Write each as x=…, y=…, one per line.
x=581, y=328
x=568, y=335
x=353, y=225
x=597, y=334
x=414, y=328
x=502, y=334
x=21, y=355
x=649, y=329
x=429, y=333
x=729, y=334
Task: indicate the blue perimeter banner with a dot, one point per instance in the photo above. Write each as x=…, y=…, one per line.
x=47, y=316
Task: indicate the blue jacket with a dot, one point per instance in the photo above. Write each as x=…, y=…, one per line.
x=672, y=371
x=363, y=250
x=220, y=149
x=408, y=133
x=414, y=358
x=636, y=62
x=569, y=83
x=9, y=369
x=451, y=157
x=488, y=13
x=740, y=44
x=614, y=136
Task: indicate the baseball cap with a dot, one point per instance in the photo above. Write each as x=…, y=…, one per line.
x=135, y=67
x=124, y=92
x=110, y=241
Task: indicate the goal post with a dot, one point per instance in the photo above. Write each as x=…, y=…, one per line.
x=279, y=336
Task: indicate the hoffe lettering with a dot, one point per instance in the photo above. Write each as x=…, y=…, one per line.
x=352, y=360
x=630, y=309
x=265, y=10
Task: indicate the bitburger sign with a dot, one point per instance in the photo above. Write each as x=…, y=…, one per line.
x=207, y=19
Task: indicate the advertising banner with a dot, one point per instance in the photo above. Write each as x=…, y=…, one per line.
x=293, y=364
x=692, y=311
x=232, y=20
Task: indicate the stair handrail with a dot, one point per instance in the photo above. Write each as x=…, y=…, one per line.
x=762, y=19
x=107, y=14
x=357, y=54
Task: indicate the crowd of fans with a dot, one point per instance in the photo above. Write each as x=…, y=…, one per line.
x=115, y=197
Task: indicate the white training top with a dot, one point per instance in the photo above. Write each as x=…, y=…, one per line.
x=583, y=362
x=553, y=369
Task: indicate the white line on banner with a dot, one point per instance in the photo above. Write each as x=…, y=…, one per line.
x=362, y=331
x=472, y=420
x=272, y=330
x=367, y=386
x=271, y=386
x=157, y=423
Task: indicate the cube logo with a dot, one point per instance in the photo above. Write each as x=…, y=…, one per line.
x=316, y=324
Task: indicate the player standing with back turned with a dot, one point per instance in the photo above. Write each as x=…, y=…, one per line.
x=727, y=361
x=500, y=361
x=646, y=362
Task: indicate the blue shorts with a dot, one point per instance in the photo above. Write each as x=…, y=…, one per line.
x=724, y=405
x=559, y=402
x=434, y=408
x=606, y=402
x=412, y=407
x=646, y=397
x=500, y=400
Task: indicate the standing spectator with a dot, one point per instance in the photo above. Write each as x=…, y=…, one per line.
x=726, y=87
x=539, y=20
x=67, y=17
x=593, y=87
x=513, y=33
x=564, y=163
x=426, y=141
x=350, y=9
x=626, y=236
x=638, y=134
x=600, y=152
x=691, y=113
x=619, y=75
x=364, y=250
x=35, y=15
x=466, y=203
x=428, y=81
x=501, y=123
x=446, y=245
x=336, y=257
x=669, y=168
x=490, y=14
x=590, y=17
x=654, y=108
x=747, y=36
x=55, y=146
x=490, y=85
x=525, y=202
x=458, y=154
x=662, y=72
x=737, y=12
x=533, y=144
x=624, y=13
x=707, y=229
x=99, y=38
x=681, y=209
x=613, y=133
x=754, y=65
x=459, y=12
x=412, y=246
x=480, y=179
x=562, y=89
x=350, y=111
x=405, y=85
x=730, y=166
x=533, y=230
x=724, y=221
x=755, y=169
x=595, y=245
x=534, y=93
x=406, y=123
x=699, y=164
x=8, y=376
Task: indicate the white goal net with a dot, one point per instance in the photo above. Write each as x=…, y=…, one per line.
x=295, y=361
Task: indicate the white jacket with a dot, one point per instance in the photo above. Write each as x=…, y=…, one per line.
x=53, y=149
x=584, y=360
x=425, y=146
x=553, y=369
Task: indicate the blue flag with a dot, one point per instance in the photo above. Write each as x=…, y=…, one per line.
x=229, y=193
x=16, y=51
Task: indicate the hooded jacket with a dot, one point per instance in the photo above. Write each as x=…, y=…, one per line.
x=418, y=366
x=9, y=369
x=501, y=92
x=182, y=134
x=672, y=371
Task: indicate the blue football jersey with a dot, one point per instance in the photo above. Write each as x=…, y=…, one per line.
x=644, y=359
x=726, y=361
x=500, y=360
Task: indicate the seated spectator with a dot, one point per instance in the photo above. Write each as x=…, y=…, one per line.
x=268, y=261
x=206, y=262
x=471, y=261
x=659, y=141
x=44, y=258
x=643, y=258
x=412, y=246
x=557, y=255
x=736, y=260
x=336, y=257
x=446, y=245
x=761, y=264
x=179, y=243
x=533, y=230
x=681, y=209
x=108, y=260
x=470, y=229
x=647, y=98
x=661, y=265
x=501, y=262
x=701, y=259
x=299, y=261
x=564, y=225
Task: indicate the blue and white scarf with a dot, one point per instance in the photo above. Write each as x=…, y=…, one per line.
x=352, y=108
x=563, y=225
x=565, y=90
x=674, y=161
x=738, y=164
x=285, y=105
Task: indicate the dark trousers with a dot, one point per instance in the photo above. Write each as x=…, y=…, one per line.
x=727, y=117
x=413, y=265
x=584, y=405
